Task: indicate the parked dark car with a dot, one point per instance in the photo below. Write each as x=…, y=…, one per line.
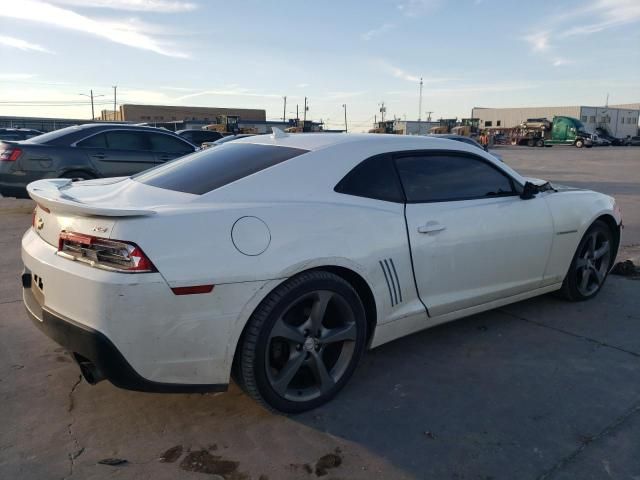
x=85, y=152
x=198, y=137
x=18, y=133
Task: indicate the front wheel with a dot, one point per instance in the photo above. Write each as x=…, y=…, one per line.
x=579, y=143
x=540, y=143
x=302, y=343
x=590, y=265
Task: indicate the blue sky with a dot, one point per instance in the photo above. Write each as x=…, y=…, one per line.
x=251, y=53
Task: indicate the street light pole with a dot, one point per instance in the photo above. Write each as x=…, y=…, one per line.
x=115, y=87
x=91, y=96
x=284, y=110
x=346, y=130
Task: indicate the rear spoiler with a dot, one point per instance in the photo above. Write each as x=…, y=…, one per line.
x=49, y=194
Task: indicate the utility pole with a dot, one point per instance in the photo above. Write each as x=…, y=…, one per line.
x=115, y=87
x=382, y=111
x=91, y=96
x=284, y=110
x=297, y=113
x=420, y=102
x=429, y=116
x=606, y=104
x=305, y=113
x=344, y=105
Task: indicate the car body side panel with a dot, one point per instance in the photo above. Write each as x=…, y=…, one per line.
x=573, y=212
x=302, y=236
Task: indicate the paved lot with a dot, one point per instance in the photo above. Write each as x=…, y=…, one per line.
x=542, y=389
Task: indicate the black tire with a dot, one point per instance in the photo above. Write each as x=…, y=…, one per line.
x=540, y=143
x=579, y=143
x=531, y=143
x=78, y=175
x=261, y=351
x=585, y=262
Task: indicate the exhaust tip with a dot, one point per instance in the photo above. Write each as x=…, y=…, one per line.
x=90, y=372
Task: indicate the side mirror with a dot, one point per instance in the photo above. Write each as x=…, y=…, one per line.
x=529, y=191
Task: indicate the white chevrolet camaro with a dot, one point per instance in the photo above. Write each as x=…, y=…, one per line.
x=279, y=259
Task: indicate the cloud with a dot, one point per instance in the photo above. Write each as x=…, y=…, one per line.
x=409, y=77
x=382, y=29
x=303, y=85
x=610, y=13
x=560, y=61
x=122, y=33
x=21, y=44
x=538, y=41
x=417, y=8
x=162, y=6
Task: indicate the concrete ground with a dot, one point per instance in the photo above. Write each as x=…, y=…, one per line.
x=542, y=389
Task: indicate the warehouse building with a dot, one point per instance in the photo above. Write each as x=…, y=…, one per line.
x=172, y=113
x=618, y=120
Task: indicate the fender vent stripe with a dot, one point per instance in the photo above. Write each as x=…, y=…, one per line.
x=393, y=283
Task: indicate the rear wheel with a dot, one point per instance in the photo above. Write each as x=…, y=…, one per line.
x=579, y=143
x=591, y=264
x=302, y=343
x=540, y=143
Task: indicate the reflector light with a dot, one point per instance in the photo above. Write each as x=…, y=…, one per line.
x=10, y=154
x=192, y=290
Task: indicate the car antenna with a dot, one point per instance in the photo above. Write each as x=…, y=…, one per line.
x=277, y=133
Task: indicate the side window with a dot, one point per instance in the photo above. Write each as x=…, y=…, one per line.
x=127, y=140
x=375, y=177
x=97, y=141
x=446, y=177
x=167, y=143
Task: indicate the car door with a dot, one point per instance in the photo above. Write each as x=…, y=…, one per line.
x=117, y=153
x=166, y=147
x=473, y=239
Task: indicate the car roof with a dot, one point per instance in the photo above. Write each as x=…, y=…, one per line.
x=320, y=141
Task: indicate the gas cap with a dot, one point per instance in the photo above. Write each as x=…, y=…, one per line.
x=250, y=235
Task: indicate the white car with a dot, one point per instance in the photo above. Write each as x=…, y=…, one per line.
x=281, y=258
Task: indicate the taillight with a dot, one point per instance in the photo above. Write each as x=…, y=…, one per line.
x=104, y=253
x=10, y=154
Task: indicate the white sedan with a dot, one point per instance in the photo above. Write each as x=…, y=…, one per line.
x=279, y=259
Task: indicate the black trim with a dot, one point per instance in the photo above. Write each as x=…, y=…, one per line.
x=97, y=349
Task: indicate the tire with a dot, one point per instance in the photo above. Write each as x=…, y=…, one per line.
x=579, y=143
x=302, y=370
x=540, y=143
x=593, y=257
x=78, y=175
x=530, y=143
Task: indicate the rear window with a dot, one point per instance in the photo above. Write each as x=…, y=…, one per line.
x=204, y=171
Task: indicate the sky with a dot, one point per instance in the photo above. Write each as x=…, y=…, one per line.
x=250, y=54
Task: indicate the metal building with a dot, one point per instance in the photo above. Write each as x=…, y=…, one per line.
x=619, y=120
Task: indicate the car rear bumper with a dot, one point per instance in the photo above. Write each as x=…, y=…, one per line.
x=97, y=357
x=133, y=323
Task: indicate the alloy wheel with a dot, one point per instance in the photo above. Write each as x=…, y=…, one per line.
x=310, y=346
x=593, y=263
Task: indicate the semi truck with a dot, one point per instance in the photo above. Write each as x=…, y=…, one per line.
x=540, y=132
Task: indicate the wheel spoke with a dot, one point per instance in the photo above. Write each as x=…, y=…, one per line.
x=591, y=244
x=599, y=276
x=600, y=252
x=286, y=331
x=339, y=334
x=287, y=373
x=584, y=283
x=581, y=262
x=320, y=372
x=319, y=309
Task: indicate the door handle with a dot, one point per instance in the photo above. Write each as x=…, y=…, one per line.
x=98, y=155
x=431, y=227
